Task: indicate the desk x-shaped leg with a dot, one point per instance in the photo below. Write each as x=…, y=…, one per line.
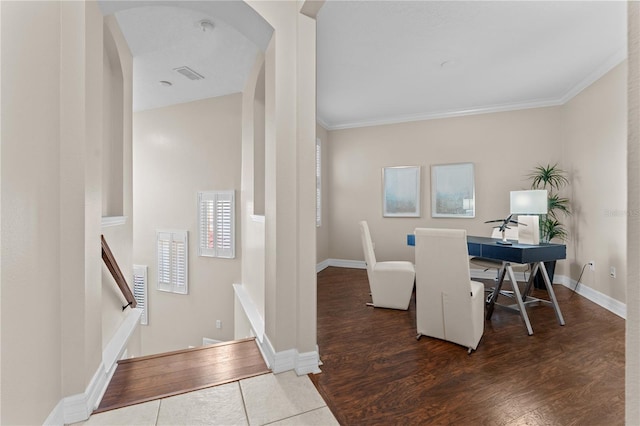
x=523, y=299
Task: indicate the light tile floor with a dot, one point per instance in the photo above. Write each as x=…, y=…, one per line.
x=269, y=399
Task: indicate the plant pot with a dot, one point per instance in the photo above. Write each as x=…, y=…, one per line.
x=538, y=280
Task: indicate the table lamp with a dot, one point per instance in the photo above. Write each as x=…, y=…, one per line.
x=528, y=204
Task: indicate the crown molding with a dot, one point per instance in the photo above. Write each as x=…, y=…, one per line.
x=611, y=62
x=446, y=114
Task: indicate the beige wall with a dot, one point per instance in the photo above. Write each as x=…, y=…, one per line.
x=290, y=233
x=586, y=136
x=178, y=151
x=31, y=346
x=51, y=185
x=632, y=346
x=117, y=170
x=112, y=143
x=503, y=147
x=594, y=129
x=253, y=185
x=322, y=235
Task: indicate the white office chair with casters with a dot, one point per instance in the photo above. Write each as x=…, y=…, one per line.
x=391, y=283
x=476, y=262
x=449, y=306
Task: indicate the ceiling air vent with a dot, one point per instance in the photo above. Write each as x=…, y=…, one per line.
x=189, y=73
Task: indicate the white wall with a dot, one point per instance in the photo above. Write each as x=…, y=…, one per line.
x=178, y=151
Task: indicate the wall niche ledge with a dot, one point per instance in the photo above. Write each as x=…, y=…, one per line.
x=113, y=221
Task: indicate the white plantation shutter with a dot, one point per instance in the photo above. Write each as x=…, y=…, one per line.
x=206, y=220
x=318, y=182
x=140, y=291
x=172, y=261
x=216, y=224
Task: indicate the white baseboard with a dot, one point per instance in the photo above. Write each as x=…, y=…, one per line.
x=56, y=417
x=601, y=299
x=278, y=362
x=307, y=363
x=322, y=265
x=77, y=408
x=607, y=302
x=291, y=359
x=341, y=263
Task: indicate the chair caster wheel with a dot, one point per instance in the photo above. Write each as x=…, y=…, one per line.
x=418, y=336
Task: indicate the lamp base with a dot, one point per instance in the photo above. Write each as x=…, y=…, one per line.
x=504, y=243
x=530, y=233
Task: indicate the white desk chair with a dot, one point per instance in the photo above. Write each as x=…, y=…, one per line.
x=449, y=306
x=391, y=282
x=486, y=264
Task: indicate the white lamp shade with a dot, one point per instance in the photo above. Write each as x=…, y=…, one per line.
x=529, y=202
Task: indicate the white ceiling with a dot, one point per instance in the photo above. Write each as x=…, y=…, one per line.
x=165, y=35
x=394, y=61
x=385, y=61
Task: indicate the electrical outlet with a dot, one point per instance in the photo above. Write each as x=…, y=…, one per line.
x=592, y=265
x=612, y=271
x=218, y=324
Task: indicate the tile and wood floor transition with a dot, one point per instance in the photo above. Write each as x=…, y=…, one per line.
x=167, y=374
x=375, y=372
x=267, y=399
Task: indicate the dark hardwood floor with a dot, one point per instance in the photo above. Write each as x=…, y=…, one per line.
x=158, y=376
x=375, y=371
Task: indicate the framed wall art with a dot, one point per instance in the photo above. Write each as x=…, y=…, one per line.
x=453, y=190
x=401, y=191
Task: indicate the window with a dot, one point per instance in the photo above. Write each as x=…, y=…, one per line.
x=172, y=261
x=216, y=217
x=140, y=291
x=318, y=182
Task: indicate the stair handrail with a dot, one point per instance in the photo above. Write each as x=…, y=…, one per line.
x=116, y=273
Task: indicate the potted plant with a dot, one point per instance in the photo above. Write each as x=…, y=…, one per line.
x=553, y=179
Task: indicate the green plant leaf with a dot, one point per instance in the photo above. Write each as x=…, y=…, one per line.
x=548, y=177
x=558, y=205
x=550, y=228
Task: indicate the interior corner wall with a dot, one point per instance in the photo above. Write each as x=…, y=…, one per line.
x=117, y=170
x=91, y=193
x=322, y=232
x=253, y=229
x=178, y=151
x=30, y=133
x=112, y=141
x=503, y=147
x=594, y=143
